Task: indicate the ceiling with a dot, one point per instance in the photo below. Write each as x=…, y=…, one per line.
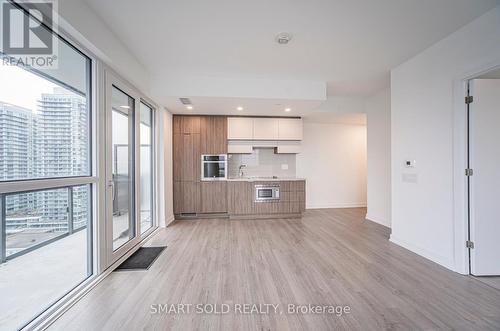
x=251, y=106
x=337, y=118
x=351, y=46
x=493, y=74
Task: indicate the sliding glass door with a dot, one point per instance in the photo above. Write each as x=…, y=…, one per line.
x=122, y=182
x=130, y=168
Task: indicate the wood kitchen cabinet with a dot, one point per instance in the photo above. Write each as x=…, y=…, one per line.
x=186, y=124
x=239, y=198
x=186, y=157
x=191, y=157
x=214, y=197
x=187, y=199
x=192, y=137
x=213, y=133
x=186, y=164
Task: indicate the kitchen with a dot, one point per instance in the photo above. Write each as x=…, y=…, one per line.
x=237, y=167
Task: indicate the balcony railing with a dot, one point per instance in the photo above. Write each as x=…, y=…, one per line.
x=32, y=220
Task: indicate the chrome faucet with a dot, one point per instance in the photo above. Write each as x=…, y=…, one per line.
x=240, y=170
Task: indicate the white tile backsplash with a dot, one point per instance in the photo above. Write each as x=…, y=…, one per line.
x=263, y=162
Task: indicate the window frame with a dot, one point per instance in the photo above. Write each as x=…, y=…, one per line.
x=92, y=179
x=155, y=158
x=154, y=168
x=18, y=186
x=113, y=80
x=96, y=178
x=91, y=71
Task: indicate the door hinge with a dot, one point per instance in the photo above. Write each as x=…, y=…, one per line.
x=469, y=244
x=469, y=99
x=469, y=172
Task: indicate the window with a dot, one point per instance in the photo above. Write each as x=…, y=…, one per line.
x=44, y=127
x=147, y=170
x=46, y=184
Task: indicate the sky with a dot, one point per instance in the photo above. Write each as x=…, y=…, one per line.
x=22, y=88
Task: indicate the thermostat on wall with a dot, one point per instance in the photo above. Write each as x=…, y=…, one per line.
x=410, y=163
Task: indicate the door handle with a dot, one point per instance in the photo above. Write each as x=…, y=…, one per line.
x=111, y=184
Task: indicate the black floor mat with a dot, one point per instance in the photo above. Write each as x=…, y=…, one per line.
x=142, y=259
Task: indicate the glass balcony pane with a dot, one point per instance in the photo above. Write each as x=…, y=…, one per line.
x=44, y=260
x=35, y=217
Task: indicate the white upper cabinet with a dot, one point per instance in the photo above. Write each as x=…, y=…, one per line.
x=239, y=128
x=290, y=129
x=288, y=147
x=240, y=147
x=265, y=128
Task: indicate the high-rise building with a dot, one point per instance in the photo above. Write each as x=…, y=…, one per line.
x=17, y=159
x=62, y=138
x=48, y=142
x=16, y=142
x=62, y=134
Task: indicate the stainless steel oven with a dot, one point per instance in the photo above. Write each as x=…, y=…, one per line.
x=267, y=192
x=214, y=167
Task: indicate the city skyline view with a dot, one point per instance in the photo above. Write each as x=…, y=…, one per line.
x=48, y=140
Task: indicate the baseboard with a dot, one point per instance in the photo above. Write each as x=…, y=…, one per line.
x=379, y=220
x=337, y=205
x=441, y=260
x=169, y=220
x=263, y=217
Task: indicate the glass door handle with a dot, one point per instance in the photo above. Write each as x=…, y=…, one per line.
x=111, y=184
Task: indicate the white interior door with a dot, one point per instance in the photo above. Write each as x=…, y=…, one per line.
x=484, y=153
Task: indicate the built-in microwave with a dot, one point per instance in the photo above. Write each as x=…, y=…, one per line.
x=265, y=193
x=214, y=167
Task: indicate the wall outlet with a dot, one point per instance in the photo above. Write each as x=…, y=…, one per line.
x=284, y=167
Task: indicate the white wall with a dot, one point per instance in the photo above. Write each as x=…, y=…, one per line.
x=343, y=105
x=333, y=161
x=378, y=113
x=86, y=27
x=168, y=197
x=426, y=215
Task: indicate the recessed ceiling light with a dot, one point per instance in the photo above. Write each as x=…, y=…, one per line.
x=283, y=38
x=189, y=107
x=125, y=107
x=239, y=108
x=288, y=109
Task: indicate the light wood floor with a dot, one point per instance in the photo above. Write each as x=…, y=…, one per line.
x=491, y=281
x=329, y=257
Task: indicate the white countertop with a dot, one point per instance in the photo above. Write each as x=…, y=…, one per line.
x=264, y=179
